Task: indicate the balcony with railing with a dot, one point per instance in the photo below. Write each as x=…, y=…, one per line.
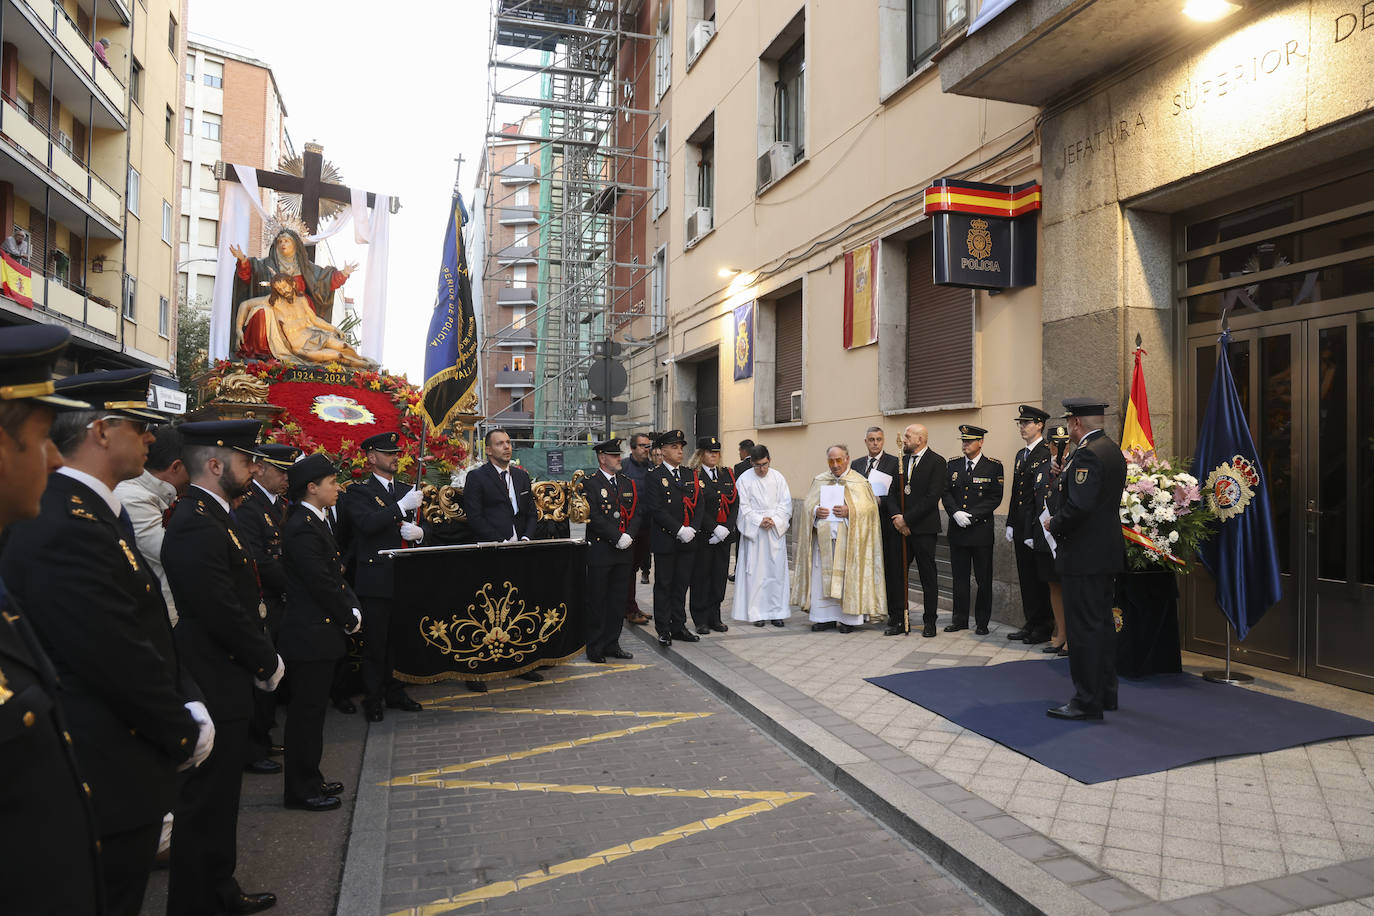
x=518, y=173
x=514, y=378
x=513, y=337
x=515, y=296
x=74, y=48
x=516, y=254
x=510, y=415
x=46, y=148
x=519, y=214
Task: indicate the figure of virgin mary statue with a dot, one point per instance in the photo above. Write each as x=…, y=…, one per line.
x=315, y=282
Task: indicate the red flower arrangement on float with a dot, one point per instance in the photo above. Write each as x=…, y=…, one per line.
x=333, y=417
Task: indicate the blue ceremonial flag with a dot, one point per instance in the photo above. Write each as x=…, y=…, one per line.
x=744, y=341
x=451, y=346
x=1241, y=555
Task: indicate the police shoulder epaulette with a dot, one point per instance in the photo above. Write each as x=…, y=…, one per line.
x=76, y=511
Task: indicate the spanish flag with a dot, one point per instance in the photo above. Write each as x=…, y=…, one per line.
x=1137, y=433
x=16, y=281
x=861, y=296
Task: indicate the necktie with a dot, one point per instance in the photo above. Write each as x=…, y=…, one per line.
x=126, y=523
x=869, y=470
x=970, y=466
x=387, y=484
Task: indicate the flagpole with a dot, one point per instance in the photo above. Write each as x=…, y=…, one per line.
x=1227, y=676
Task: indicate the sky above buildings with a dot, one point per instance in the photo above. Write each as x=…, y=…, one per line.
x=394, y=93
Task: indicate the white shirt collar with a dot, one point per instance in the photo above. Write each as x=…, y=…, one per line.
x=1090, y=433
x=319, y=513
x=223, y=503
x=1031, y=447
x=271, y=497
x=386, y=484
x=97, y=485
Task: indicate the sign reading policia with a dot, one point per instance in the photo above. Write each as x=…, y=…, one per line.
x=984, y=234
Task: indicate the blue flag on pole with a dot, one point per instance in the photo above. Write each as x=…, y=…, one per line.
x=1241, y=556
x=451, y=347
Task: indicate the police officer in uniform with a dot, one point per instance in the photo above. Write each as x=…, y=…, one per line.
x=677, y=516
x=616, y=517
x=260, y=518
x=381, y=514
x=1087, y=527
x=1047, y=500
x=1023, y=516
x=99, y=613
x=51, y=860
x=222, y=644
x=973, y=494
x=720, y=504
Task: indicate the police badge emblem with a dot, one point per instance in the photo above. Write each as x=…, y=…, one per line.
x=1231, y=486
x=979, y=239
x=1080, y=476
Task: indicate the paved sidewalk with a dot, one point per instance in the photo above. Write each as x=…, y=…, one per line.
x=1289, y=831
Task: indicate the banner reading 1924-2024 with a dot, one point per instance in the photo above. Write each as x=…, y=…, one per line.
x=480, y=612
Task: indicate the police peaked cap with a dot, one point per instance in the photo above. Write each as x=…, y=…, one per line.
x=708, y=444
x=279, y=454
x=1084, y=407
x=970, y=433
x=610, y=446
x=1033, y=414
x=27, y=355
x=308, y=470
x=121, y=392
x=240, y=435
x=671, y=437
x=382, y=442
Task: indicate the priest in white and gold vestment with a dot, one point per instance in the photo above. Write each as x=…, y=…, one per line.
x=839, y=571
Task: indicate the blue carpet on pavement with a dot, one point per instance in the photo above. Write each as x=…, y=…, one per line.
x=1164, y=721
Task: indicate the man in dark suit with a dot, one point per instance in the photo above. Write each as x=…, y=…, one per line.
x=874, y=463
x=745, y=463
x=221, y=643
x=973, y=493
x=260, y=518
x=913, y=507
x=320, y=610
x=51, y=861
x=636, y=467
x=615, y=516
x=720, y=504
x=1091, y=551
x=677, y=516
x=1022, y=519
x=380, y=514
x=497, y=496
x=98, y=611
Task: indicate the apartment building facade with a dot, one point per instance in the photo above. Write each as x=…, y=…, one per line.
x=88, y=168
x=233, y=112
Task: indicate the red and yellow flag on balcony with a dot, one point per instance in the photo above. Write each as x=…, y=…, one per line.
x=16, y=281
x=861, y=296
x=1137, y=433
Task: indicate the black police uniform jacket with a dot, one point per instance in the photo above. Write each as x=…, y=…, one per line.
x=487, y=503
x=1088, y=523
x=1046, y=499
x=673, y=505
x=319, y=604
x=260, y=521
x=50, y=862
x=219, y=632
x=978, y=493
x=614, y=509
x=98, y=611
x=373, y=521
x=1024, y=510
x=721, y=498
x=918, y=502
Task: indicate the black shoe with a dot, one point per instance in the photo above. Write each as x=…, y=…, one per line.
x=331, y=789
x=644, y=578
x=956, y=627
x=1036, y=637
x=928, y=630
x=1051, y=649
x=403, y=703
x=534, y=676
x=759, y=623
x=894, y=631
x=720, y=628
x=686, y=637
x=776, y=623
x=372, y=712
x=731, y=577
x=250, y=903
x=981, y=631
x=318, y=803
x=817, y=627
x=264, y=767
x=1073, y=712
x=1018, y=634
x=846, y=628
x=617, y=652
x=1063, y=652
x=276, y=750
x=476, y=686
x=596, y=659
x=702, y=631
x=665, y=641
x=1109, y=704
x=345, y=706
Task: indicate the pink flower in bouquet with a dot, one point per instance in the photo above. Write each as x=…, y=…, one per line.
x=1144, y=486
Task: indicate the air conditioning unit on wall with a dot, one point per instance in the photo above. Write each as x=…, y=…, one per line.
x=698, y=223
x=697, y=38
x=774, y=163
x=796, y=406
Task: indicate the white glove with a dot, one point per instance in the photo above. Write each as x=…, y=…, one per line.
x=271, y=683
x=1010, y=537
x=357, y=622
x=205, y=741
x=411, y=501
x=962, y=518
x=685, y=534
x=412, y=532
x=1028, y=542
x=624, y=542
x=721, y=533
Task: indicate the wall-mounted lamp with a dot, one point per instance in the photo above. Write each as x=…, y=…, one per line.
x=1209, y=10
x=726, y=273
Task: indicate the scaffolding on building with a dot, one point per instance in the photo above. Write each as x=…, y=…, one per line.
x=565, y=61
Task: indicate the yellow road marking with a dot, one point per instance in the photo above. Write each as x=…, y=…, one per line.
x=595, y=713
x=547, y=682
x=604, y=857
x=628, y=791
x=427, y=776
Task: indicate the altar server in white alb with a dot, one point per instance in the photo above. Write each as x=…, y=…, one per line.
x=765, y=509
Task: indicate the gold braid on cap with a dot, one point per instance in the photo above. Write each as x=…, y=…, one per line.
x=31, y=390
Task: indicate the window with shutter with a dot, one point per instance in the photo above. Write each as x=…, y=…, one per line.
x=939, y=335
x=787, y=356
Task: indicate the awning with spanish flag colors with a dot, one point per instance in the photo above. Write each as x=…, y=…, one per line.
x=16, y=281
x=1137, y=433
x=948, y=195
